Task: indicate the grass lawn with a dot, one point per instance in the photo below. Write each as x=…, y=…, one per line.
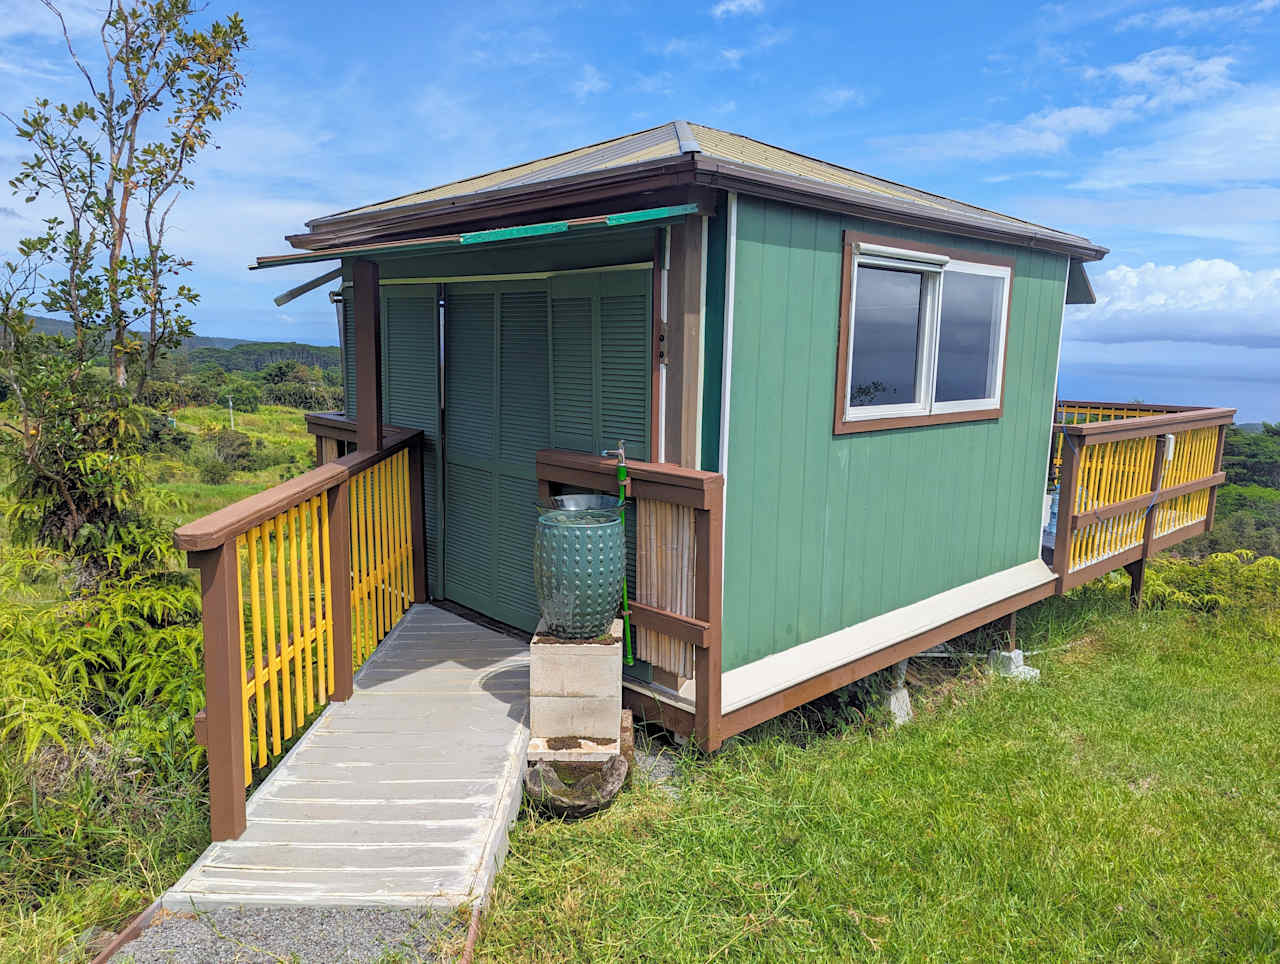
x=1127, y=807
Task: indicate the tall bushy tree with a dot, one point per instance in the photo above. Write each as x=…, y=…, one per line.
x=117, y=162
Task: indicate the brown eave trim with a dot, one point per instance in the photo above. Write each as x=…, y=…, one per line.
x=498, y=202
x=731, y=176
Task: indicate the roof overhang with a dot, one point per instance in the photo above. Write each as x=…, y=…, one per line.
x=446, y=242
x=689, y=170
x=1079, y=287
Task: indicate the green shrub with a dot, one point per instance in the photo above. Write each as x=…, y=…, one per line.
x=215, y=472
x=1239, y=582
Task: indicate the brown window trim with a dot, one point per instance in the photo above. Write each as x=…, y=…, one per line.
x=840, y=426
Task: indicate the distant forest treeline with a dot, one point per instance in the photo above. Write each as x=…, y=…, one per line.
x=213, y=371
x=230, y=354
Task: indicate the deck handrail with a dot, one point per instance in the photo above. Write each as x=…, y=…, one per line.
x=1132, y=484
x=676, y=606
x=299, y=584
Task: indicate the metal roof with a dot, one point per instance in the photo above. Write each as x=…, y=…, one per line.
x=721, y=158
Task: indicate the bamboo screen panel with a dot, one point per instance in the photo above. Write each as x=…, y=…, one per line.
x=1110, y=472
x=665, y=571
x=381, y=552
x=1193, y=458
x=286, y=627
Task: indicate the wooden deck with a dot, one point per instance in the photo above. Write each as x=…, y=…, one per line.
x=400, y=796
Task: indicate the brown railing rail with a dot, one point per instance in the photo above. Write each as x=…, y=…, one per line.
x=1133, y=479
x=299, y=584
x=676, y=607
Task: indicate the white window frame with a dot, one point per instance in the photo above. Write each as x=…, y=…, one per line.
x=933, y=269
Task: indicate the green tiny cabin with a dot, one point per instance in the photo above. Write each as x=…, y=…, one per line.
x=837, y=396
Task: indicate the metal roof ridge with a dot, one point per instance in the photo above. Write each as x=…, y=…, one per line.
x=684, y=136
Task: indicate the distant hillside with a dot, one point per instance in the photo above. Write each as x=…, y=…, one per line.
x=229, y=354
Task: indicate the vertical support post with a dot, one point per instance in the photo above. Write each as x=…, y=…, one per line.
x=417, y=521
x=684, y=341
x=368, y=356
x=1011, y=629
x=1137, y=570
x=708, y=535
x=339, y=502
x=224, y=701
x=658, y=344
x=1217, y=467
x=1066, y=510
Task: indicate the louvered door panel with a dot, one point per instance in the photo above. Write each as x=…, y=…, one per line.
x=470, y=436
x=573, y=389
x=411, y=395
x=349, y=354
x=624, y=371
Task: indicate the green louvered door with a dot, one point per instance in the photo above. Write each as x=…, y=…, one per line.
x=411, y=394
x=497, y=415
x=562, y=363
x=600, y=371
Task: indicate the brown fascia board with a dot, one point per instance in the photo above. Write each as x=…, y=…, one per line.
x=497, y=204
x=500, y=204
x=731, y=176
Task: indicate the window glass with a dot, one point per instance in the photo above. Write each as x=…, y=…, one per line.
x=969, y=336
x=886, y=336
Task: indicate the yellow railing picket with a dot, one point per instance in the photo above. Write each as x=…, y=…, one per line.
x=286, y=590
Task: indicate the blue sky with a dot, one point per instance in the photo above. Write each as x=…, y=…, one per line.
x=1152, y=128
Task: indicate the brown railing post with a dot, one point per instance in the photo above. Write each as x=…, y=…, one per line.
x=1066, y=510
x=417, y=522
x=339, y=500
x=1137, y=569
x=708, y=528
x=1217, y=467
x=224, y=701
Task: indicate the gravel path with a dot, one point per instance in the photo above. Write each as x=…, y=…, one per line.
x=303, y=935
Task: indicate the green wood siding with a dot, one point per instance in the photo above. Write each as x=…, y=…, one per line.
x=411, y=394
x=823, y=531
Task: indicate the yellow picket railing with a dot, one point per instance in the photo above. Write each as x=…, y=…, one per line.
x=1085, y=413
x=1192, y=458
x=299, y=585
x=1133, y=481
x=286, y=628
x=381, y=551
x=1109, y=473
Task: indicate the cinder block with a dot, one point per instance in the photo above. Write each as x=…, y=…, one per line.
x=569, y=669
x=591, y=716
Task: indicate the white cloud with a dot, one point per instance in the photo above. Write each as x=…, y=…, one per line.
x=766, y=37
x=1044, y=132
x=590, y=82
x=1206, y=300
x=1238, y=140
x=1156, y=81
x=734, y=8
x=833, y=99
x=1180, y=18
x=28, y=18
x=1171, y=76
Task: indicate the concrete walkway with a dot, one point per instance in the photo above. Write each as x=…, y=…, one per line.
x=400, y=797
